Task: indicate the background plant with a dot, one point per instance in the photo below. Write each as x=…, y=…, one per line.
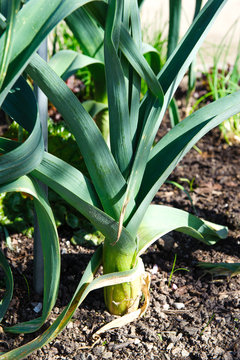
x=122, y=182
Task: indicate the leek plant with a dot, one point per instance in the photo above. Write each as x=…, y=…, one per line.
x=123, y=178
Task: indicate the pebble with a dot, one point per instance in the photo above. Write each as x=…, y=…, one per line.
x=174, y=287
x=70, y=325
x=227, y=356
x=185, y=353
x=170, y=346
x=176, y=351
x=148, y=346
x=166, y=307
x=179, y=306
x=98, y=350
x=137, y=341
x=218, y=351
x=107, y=355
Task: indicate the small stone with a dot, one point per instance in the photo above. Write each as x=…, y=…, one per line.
x=176, y=351
x=70, y=325
x=98, y=350
x=227, y=356
x=137, y=341
x=218, y=351
x=148, y=346
x=166, y=307
x=173, y=338
x=185, y=353
x=154, y=270
x=170, y=346
x=162, y=315
x=107, y=355
x=191, y=330
x=174, y=287
x=179, y=306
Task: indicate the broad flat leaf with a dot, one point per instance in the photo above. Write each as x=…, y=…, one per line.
x=139, y=63
x=67, y=62
x=159, y=220
x=4, y=303
x=93, y=107
x=221, y=269
x=175, y=7
x=50, y=246
x=152, y=111
x=21, y=159
x=176, y=143
x=13, y=7
x=89, y=35
x=120, y=129
x=78, y=191
x=153, y=55
x=174, y=113
x=33, y=23
x=108, y=180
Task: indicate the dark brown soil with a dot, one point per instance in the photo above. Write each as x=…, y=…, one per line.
x=197, y=317
x=206, y=327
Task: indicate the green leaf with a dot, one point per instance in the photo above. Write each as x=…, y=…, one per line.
x=77, y=190
x=221, y=269
x=19, y=159
x=159, y=220
x=175, y=144
x=175, y=7
x=13, y=6
x=108, y=180
x=153, y=55
x=50, y=246
x=33, y=23
x=94, y=108
x=174, y=113
x=152, y=111
x=89, y=35
x=140, y=65
x=67, y=62
x=120, y=129
x=4, y=303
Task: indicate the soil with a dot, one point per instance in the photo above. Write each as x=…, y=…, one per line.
x=196, y=317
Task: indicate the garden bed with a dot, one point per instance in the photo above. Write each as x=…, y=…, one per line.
x=197, y=317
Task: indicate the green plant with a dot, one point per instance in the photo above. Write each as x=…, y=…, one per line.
x=209, y=321
x=116, y=197
x=173, y=270
x=223, y=79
